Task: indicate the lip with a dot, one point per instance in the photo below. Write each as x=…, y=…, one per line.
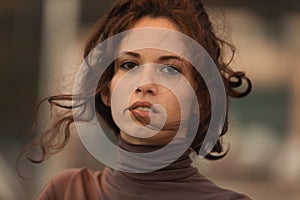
x=142, y=115
x=143, y=104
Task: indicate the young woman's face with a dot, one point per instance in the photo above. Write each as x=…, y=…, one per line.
x=150, y=100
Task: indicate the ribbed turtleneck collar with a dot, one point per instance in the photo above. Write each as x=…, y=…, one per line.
x=178, y=180
x=177, y=170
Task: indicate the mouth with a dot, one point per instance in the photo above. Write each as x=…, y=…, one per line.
x=142, y=109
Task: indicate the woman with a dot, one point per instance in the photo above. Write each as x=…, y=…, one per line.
x=153, y=96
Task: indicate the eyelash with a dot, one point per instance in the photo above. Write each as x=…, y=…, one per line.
x=172, y=67
x=177, y=70
x=123, y=65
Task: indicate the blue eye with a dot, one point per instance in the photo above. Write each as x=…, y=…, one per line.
x=129, y=65
x=169, y=69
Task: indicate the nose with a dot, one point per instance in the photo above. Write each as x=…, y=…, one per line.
x=147, y=84
x=147, y=89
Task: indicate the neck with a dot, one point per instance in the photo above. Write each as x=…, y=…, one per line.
x=159, y=139
x=178, y=169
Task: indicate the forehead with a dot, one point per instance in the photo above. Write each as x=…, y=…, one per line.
x=153, y=33
x=154, y=40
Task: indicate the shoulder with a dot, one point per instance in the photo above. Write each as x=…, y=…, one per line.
x=68, y=181
x=212, y=191
x=74, y=174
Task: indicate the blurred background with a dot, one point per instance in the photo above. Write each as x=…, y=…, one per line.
x=41, y=45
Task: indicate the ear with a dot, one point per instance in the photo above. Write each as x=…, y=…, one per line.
x=105, y=96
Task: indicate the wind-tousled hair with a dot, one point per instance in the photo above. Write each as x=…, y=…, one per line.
x=192, y=19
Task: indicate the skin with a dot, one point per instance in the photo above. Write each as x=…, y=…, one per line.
x=167, y=64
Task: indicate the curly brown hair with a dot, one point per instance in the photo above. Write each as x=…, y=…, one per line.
x=192, y=19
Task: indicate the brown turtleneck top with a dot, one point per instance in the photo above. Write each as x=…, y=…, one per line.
x=177, y=181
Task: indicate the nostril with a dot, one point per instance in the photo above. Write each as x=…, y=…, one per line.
x=147, y=89
x=150, y=91
x=144, y=90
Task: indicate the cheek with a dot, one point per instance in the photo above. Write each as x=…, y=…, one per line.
x=115, y=79
x=186, y=104
x=173, y=102
x=112, y=85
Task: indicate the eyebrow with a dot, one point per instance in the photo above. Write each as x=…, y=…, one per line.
x=169, y=57
x=162, y=58
x=130, y=53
